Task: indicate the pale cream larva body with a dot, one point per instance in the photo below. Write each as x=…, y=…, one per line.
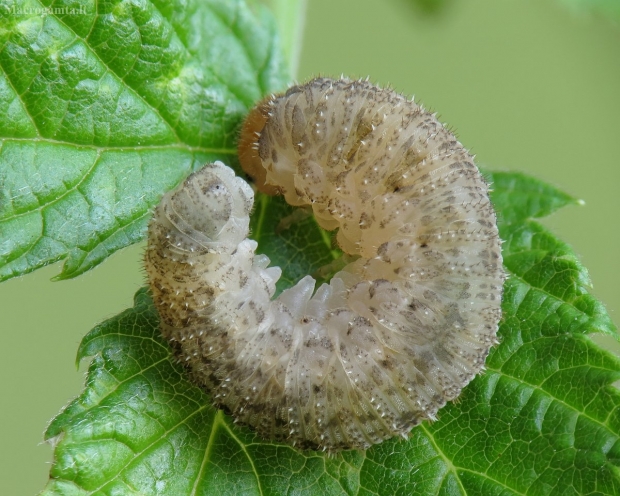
x=394, y=335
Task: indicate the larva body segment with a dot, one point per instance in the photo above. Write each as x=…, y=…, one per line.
x=394, y=335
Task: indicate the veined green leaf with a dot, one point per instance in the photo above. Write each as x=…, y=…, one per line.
x=110, y=104
x=543, y=419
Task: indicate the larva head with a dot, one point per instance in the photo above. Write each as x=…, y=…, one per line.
x=248, y=146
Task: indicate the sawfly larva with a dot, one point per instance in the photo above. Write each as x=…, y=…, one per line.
x=395, y=334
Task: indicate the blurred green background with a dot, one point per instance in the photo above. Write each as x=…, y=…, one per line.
x=528, y=85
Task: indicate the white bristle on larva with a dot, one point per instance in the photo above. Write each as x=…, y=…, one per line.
x=394, y=335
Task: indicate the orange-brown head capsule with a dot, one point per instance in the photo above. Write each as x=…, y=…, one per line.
x=248, y=146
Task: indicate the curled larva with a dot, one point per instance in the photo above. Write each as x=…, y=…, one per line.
x=397, y=333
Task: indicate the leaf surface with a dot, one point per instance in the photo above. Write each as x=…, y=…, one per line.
x=543, y=419
x=110, y=105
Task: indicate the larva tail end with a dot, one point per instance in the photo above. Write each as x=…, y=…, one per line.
x=248, y=147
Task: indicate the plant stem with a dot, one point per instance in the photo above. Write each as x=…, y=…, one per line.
x=290, y=16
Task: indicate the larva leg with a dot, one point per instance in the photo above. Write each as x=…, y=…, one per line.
x=297, y=215
x=330, y=269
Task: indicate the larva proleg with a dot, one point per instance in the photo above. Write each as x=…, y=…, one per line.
x=396, y=333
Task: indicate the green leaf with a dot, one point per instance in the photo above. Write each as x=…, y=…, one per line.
x=543, y=419
x=535, y=257
x=110, y=105
x=607, y=8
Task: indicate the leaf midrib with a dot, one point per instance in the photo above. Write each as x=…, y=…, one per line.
x=179, y=145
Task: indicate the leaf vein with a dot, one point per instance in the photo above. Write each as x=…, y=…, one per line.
x=442, y=455
x=24, y=106
x=164, y=435
x=245, y=451
x=110, y=71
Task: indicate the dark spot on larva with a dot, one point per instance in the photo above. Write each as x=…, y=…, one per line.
x=375, y=285
x=293, y=90
x=299, y=125
x=376, y=374
x=382, y=251
x=441, y=353
x=263, y=146
x=387, y=364
x=365, y=221
x=425, y=362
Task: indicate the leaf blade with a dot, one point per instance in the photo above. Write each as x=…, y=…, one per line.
x=109, y=90
x=544, y=418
